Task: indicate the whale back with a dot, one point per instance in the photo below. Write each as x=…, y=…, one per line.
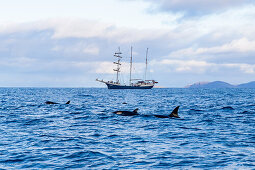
x=175, y=112
x=50, y=102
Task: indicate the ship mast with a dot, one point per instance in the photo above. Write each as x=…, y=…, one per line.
x=117, y=54
x=146, y=62
x=130, y=68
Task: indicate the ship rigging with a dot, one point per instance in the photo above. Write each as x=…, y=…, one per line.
x=133, y=83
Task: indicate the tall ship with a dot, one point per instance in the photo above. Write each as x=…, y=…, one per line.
x=133, y=83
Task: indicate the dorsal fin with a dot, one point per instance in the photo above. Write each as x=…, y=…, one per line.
x=175, y=112
x=68, y=102
x=135, y=111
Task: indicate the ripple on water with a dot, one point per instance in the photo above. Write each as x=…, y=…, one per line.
x=215, y=131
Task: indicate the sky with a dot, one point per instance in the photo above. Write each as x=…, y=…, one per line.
x=63, y=43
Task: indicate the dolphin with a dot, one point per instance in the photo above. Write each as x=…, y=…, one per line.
x=49, y=102
x=127, y=113
x=173, y=114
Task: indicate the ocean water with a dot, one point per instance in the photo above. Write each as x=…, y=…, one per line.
x=216, y=129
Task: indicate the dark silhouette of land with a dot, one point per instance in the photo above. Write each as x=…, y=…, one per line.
x=220, y=84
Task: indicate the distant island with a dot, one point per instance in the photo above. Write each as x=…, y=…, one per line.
x=220, y=84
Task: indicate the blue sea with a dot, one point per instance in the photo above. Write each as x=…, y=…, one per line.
x=216, y=129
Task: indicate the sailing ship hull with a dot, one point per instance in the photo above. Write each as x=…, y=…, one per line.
x=114, y=86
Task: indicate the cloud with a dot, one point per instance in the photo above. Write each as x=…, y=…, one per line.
x=78, y=48
x=91, y=49
x=240, y=50
x=185, y=66
x=201, y=67
x=242, y=45
x=198, y=7
x=81, y=28
x=93, y=29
